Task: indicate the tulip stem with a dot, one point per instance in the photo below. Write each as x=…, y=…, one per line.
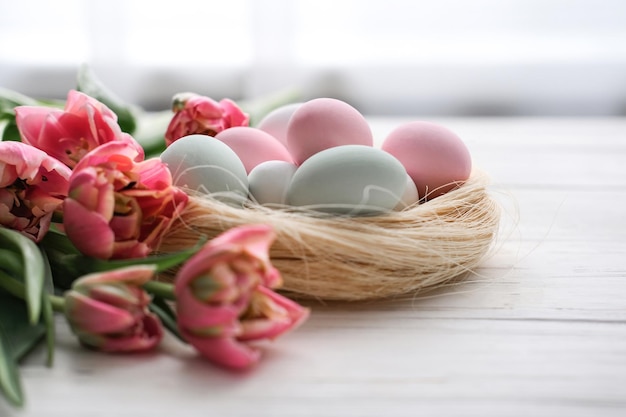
x=12, y=286
x=17, y=289
x=58, y=303
x=160, y=289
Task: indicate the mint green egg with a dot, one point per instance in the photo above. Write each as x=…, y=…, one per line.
x=201, y=163
x=352, y=180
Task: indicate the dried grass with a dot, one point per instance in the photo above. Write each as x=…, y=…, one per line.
x=357, y=258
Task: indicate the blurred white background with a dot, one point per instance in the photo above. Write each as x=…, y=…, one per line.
x=441, y=57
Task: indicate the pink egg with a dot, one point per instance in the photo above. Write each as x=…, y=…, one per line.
x=434, y=157
x=324, y=123
x=275, y=122
x=253, y=146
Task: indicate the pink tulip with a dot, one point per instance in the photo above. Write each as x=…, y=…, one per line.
x=224, y=302
x=32, y=187
x=195, y=114
x=69, y=134
x=117, y=207
x=109, y=310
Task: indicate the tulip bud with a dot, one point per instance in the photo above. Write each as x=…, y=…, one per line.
x=195, y=114
x=108, y=311
x=224, y=300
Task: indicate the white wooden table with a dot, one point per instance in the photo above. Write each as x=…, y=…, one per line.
x=540, y=330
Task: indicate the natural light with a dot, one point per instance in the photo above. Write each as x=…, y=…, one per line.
x=449, y=56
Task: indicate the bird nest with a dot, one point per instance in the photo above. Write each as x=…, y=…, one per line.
x=357, y=258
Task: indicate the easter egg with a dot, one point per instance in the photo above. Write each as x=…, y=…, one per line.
x=324, y=123
x=201, y=163
x=275, y=122
x=409, y=196
x=269, y=182
x=434, y=157
x=253, y=146
x=350, y=179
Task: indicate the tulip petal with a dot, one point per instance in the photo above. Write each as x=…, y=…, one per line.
x=31, y=120
x=278, y=315
x=120, y=296
x=88, y=230
x=130, y=275
x=225, y=351
x=118, y=153
x=234, y=115
x=78, y=102
x=96, y=317
x=146, y=336
x=194, y=314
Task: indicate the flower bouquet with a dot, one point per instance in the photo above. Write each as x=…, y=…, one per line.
x=82, y=211
x=192, y=229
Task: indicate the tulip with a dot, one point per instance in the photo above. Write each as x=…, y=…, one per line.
x=195, y=114
x=224, y=300
x=117, y=207
x=69, y=134
x=108, y=311
x=32, y=187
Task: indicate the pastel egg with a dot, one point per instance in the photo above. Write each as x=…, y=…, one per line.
x=201, y=163
x=435, y=157
x=350, y=179
x=253, y=146
x=269, y=182
x=275, y=122
x=324, y=123
x=409, y=196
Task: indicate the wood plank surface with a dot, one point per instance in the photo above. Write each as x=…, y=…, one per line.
x=538, y=330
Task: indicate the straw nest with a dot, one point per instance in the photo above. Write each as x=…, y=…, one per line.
x=357, y=258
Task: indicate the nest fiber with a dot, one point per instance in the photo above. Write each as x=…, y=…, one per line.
x=357, y=258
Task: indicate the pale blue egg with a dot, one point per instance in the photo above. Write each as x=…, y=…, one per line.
x=349, y=179
x=204, y=164
x=410, y=195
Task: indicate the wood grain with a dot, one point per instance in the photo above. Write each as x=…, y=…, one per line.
x=539, y=329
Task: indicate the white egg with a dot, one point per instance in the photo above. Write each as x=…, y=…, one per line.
x=269, y=182
x=204, y=164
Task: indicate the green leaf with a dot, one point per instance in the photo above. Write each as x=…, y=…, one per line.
x=21, y=335
x=59, y=242
x=91, y=85
x=33, y=269
x=4, y=123
x=162, y=262
x=47, y=313
x=11, y=262
x=150, y=133
x=257, y=108
x=9, y=376
x=67, y=267
x=17, y=338
x=10, y=132
x=10, y=99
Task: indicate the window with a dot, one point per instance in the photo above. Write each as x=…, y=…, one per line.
x=447, y=57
